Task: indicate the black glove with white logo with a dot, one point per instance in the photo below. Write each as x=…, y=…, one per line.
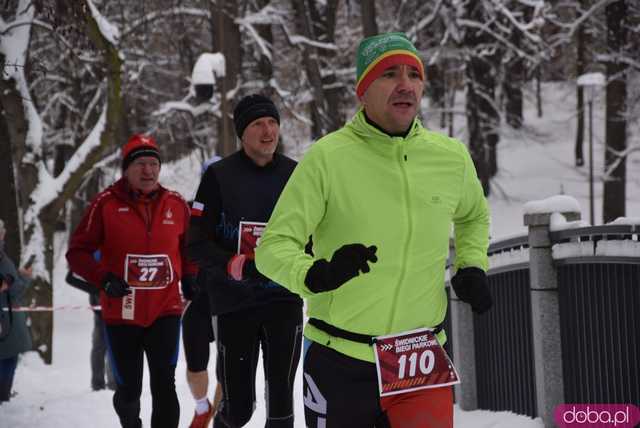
x=472, y=287
x=346, y=263
x=114, y=286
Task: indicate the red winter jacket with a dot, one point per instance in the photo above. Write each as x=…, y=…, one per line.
x=141, y=239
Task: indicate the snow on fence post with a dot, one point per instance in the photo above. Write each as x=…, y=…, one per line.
x=545, y=310
x=461, y=336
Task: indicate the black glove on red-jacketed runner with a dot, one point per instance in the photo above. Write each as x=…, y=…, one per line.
x=346, y=263
x=114, y=286
x=472, y=287
x=190, y=287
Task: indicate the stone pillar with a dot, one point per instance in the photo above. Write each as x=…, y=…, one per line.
x=464, y=353
x=463, y=344
x=545, y=315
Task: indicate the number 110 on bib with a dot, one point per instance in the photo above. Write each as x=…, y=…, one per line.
x=425, y=362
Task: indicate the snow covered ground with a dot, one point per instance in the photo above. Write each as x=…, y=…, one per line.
x=534, y=164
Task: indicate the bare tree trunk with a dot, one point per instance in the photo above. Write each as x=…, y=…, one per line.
x=616, y=127
x=368, y=13
x=12, y=124
x=579, y=97
x=539, y=89
x=452, y=104
x=513, y=93
x=227, y=40
x=265, y=67
x=41, y=292
x=513, y=82
x=482, y=118
x=478, y=145
x=325, y=109
x=436, y=89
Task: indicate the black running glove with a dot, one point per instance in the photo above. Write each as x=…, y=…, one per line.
x=190, y=287
x=346, y=263
x=114, y=286
x=472, y=287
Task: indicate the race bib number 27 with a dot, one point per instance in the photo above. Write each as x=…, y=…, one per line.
x=148, y=271
x=410, y=361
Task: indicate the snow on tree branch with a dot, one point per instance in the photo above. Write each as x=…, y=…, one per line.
x=295, y=40
x=576, y=23
x=487, y=29
x=266, y=16
x=195, y=111
x=48, y=189
x=619, y=157
x=109, y=31
x=14, y=45
x=525, y=28
x=157, y=15
x=265, y=46
x=425, y=22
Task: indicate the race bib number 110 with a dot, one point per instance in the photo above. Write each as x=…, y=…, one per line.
x=410, y=361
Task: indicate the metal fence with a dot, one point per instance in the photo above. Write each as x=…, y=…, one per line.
x=599, y=306
x=599, y=299
x=600, y=332
x=503, y=338
x=504, y=347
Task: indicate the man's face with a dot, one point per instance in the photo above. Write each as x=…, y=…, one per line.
x=393, y=99
x=143, y=173
x=260, y=139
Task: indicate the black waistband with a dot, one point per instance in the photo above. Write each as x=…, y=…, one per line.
x=354, y=337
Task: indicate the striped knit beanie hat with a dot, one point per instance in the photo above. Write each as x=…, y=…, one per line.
x=377, y=53
x=139, y=145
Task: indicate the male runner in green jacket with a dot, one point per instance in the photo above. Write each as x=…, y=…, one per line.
x=379, y=197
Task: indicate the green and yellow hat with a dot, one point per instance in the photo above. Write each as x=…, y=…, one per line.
x=377, y=53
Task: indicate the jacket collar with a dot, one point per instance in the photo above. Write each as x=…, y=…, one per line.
x=122, y=189
x=247, y=160
x=370, y=133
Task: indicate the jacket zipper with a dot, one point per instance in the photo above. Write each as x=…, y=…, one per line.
x=145, y=216
x=394, y=302
x=148, y=219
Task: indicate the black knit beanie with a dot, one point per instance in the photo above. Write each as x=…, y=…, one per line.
x=253, y=107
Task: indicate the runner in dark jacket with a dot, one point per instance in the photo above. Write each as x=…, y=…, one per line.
x=197, y=335
x=139, y=228
x=249, y=310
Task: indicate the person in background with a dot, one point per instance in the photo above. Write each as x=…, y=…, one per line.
x=14, y=333
x=100, y=363
x=379, y=196
x=197, y=334
x=233, y=203
x=140, y=229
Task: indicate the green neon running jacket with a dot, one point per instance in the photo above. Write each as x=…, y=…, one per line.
x=359, y=185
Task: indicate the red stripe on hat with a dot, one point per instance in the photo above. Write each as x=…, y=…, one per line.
x=389, y=61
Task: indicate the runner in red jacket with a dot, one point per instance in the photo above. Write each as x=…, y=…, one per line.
x=139, y=228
